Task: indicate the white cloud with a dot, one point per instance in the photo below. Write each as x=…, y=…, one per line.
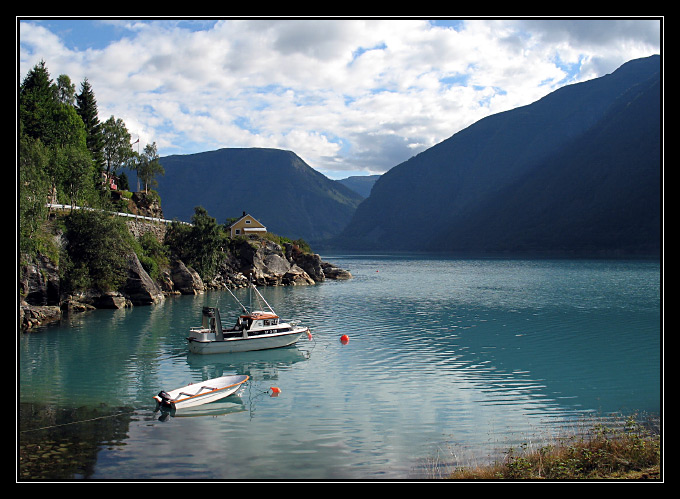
x=345, y=95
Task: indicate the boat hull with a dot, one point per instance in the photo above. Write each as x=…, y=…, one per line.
x=201, y=393
x=235, y=345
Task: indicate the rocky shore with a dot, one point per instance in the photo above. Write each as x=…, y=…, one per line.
x=263, y=261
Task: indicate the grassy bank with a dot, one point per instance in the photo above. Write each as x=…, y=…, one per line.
x=630, y=450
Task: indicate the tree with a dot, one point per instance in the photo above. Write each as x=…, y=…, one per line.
x=79, y=175
x=198, y=245
x=66, y=133
x=177, y=240
x=87, y=109
x=33, y=191
x=206, y=242
x=117, y=148
x=123, y=183
x=66, y=91
x=148, y=166
x=37, y=103
x=67, y=128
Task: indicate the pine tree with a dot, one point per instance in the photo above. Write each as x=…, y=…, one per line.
x=87, y=109
x=37, y=103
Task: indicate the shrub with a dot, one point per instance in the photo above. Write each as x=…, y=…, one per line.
x=604, y=452
x=96, y=250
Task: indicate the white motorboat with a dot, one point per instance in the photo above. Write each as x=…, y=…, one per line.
x=256, y=330
x=200, y=393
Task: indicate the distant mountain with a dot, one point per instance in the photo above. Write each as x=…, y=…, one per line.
x=276, y=187
x=361, y=184
x=575, y=173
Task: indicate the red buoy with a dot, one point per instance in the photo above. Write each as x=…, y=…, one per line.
x=344, y=339
x=275, y=391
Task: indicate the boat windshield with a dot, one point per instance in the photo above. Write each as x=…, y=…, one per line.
x=256, y=320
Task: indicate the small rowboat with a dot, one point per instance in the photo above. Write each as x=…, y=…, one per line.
x=200, y=393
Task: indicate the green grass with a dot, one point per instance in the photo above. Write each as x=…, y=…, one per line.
x=629, y=450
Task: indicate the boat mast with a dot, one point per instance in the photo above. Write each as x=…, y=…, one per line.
x=234, y=297
x=252, y=286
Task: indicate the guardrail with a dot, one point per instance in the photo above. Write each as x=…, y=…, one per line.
x=129, y=215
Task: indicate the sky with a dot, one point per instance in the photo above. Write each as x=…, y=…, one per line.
x=348, y=96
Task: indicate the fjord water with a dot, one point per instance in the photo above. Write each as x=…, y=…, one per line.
x=445, y=357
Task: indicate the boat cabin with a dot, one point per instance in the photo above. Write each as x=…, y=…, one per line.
x=257, y=320
x=247, y=325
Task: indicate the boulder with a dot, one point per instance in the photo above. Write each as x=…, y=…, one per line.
x=166, y=285
x=295, y=276
x=311, y=264
x=275, y=264
x=333, y=272
x=185, y=279
x=93, y=298
x=112, y=299
x=32, y=315
x=139, y=287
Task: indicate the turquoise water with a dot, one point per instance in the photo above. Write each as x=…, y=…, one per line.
x=447, y=359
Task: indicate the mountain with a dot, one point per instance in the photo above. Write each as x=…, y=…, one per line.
x=576, y=173
x=361, y=184
x=276, y=187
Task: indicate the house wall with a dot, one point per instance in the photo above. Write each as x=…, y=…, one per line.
x=245, y=222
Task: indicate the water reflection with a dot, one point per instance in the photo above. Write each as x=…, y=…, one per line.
x=264, y=364
x=229, y=405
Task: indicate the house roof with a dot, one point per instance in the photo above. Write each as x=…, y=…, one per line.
x=244, y=216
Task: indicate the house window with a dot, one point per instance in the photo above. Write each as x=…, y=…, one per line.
x=247, y=221
x=237, y=231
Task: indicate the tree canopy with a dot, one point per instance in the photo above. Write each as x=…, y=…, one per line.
x=117, y=148
x=148, y=166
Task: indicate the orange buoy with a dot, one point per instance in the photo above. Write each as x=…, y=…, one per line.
x=275, y=391
x=309, y=334
x=344, y=339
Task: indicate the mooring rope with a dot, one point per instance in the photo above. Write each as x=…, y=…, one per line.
x=76, y=422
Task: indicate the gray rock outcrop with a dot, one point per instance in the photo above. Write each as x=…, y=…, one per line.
x=263, y=262
x=185, y=279
x=139, y=287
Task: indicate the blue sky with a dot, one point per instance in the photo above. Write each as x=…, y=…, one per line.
x=350, y=96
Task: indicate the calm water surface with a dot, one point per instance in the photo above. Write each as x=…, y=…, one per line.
x=446, y=357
